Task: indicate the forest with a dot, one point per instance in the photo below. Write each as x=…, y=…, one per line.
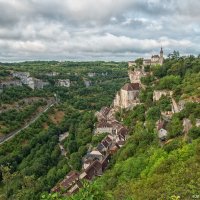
x=32, y=162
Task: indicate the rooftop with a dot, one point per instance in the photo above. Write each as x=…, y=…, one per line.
x=131, y=86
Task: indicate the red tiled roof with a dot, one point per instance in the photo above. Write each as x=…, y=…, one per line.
x=121, y=142
x=123, y=131
x=70, y=179
x=103, y=124
x=95, y=165
x=131, y=86
x=108, y=139
x=105, y=110
x=105, y=143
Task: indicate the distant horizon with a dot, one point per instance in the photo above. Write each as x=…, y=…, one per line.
x=87, y=59
x=97, y=30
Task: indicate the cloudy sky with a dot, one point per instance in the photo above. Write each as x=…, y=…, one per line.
x=97, y=29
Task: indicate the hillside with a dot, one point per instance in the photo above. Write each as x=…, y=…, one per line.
x=34, y=160
x=158, y=159
x=153, y=165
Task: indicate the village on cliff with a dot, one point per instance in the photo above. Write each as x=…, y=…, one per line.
x=95, y=162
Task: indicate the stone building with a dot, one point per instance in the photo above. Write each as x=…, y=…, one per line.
x=154, y=60
x=103, y=127
x=127, y=97
x=69, y=185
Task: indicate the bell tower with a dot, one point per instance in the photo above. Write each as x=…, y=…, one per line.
x=161, y=56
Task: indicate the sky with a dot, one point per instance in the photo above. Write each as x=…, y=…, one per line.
x=119, y=30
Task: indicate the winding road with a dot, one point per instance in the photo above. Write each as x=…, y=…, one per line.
x=12, y=134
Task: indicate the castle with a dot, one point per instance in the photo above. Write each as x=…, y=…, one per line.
x=154, y=60
x=128, y=96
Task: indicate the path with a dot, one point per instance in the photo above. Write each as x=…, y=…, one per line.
x=12, y=134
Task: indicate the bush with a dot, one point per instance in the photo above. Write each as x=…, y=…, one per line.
x=194, y=132
x=169, y=82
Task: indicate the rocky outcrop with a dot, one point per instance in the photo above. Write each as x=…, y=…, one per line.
x=157, y=94
x=136, y=75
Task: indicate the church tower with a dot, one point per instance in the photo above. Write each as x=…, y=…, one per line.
x=161, y=56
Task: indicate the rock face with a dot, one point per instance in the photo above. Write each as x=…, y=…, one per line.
x=10, y=83
x=87, y=83
x=127, y=97
x=197, y=122
x=136, y=75
x=187, y=125
x=32, y=82
x=157, y=94
x=64, y=83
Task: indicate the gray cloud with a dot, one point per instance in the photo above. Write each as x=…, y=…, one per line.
x=103, y=29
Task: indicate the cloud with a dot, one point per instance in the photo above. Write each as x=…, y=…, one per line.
x=103, y=29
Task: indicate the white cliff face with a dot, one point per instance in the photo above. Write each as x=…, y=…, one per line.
x=32, y=82
x=157, y=94
x=117, y=100
x=136, y=75
x=129, y=98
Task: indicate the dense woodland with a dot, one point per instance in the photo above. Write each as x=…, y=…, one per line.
x=142, y=169
x=31, y=162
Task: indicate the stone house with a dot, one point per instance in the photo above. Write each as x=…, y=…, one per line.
x=105, y=144
x=94, y=155
x=103, y=113
x=105, y=162
x=103, y=127
x=114, y=148
x=127, y=97
x=95, y=169
x=120, y=143
x=70, y=183
x=122, y=134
